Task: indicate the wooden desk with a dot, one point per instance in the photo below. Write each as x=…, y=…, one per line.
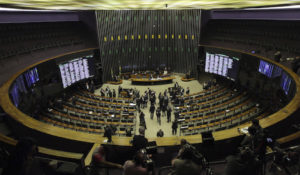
x=115, y=82
x=164, y=80
x=187, y=79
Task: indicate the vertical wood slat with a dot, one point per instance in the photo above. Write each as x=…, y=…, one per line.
x=169, y=51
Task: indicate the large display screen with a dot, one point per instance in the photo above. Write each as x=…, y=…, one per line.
x=21, y=84
x=265, y=68
x=222, y=65
x=31, y=77
x=17, y=88
x=77, y=69
x=285, y=82
x=15, y=94
x=276, y=71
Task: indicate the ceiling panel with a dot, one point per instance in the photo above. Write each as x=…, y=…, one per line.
x=142, y=4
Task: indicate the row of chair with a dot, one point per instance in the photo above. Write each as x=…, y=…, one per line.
x=195, y=104
x=207, y=94
x=82, y=122
x=204, y=92
x=228, y=110
x=24, y=40
x=225, y=125
x=105, y=98
x=269, y=36
x=217, y=106
x=102, y=103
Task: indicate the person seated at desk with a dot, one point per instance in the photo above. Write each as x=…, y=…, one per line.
x=150, y=77
x=165, y=71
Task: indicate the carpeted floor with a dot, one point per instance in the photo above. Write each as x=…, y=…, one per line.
x=152, y=125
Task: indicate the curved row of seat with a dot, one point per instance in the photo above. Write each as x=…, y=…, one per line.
x=105, y=104
x=204, y=92
x=195, y=105
x=88, y=112
x=105, y=98
x=21, y=39
x=207, y=94
x=220, y=105
x=224, y=109
x=226, y=123
x=87, y=123
x=266, y=35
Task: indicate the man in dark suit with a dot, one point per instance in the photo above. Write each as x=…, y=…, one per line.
x=152, y=109
x=158, y=114
x=139, y=141
x=174, y=127
x=169, y=112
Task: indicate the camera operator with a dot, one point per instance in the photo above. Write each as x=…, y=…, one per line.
x=99, y=163
x=137, y=166
x=287, y=161
x=184, y=163
x=257, y=141
x=243, y=163
x=188, y=160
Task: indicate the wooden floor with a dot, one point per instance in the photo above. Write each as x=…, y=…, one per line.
x=152, y=125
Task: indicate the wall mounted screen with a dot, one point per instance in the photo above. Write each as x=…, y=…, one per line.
x=17, y=88
x=21, y=84
x=222, y=65
x=265, y=68
x=77, y=69
x=15, y=94
x=31, y=77
x=285, y=82
x=276, y=71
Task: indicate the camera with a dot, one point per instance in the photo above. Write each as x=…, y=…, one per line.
x=147, y=162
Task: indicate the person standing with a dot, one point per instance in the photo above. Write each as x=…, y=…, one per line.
x=152, y=109
x=139, y=141
x=169, y=112
x=138, y=104
x=158, y=114
x=114, y=93
x=99, y=161
x=142, y=120
x=187, y=91
x=108, y=133
x=152, y=99
x=142, y=102
x=174, y=127
x=164, y=109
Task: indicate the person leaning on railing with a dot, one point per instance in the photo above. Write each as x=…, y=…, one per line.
x=99, y=163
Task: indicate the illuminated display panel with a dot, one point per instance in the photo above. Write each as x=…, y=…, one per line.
x=285, y=82
x=265, y=68
x=77, y=69
x=31, y=77
x=222, y=65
